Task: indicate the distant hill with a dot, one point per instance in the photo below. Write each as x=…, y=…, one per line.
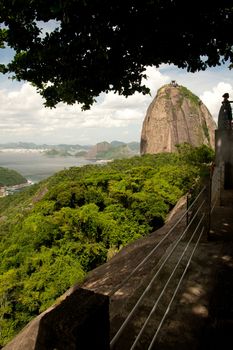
x=10, y=177
x=57, y=152
x=21, y=145
x=31, y=145
x=134, y=146
x=113, y=150
x=117, y=143
x=102, y=150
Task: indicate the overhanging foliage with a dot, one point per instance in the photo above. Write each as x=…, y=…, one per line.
x=103, y=45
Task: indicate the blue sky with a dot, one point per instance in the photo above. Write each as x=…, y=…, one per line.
x=24, y=118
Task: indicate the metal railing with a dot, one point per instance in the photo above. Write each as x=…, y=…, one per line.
x=196, y=226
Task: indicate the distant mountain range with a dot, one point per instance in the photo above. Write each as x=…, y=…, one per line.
x=102, y=150
x=31, y=145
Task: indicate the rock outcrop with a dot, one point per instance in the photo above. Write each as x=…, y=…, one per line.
x=99, y=147
x=176, y=116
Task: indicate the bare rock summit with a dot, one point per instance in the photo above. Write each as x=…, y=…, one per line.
x=176, y=116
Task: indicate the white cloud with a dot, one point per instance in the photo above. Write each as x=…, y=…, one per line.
x=47, y=27
x=24, y=118
x=155, y=79
x=212, y=98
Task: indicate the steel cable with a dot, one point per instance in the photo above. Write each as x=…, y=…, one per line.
x=165, y=286
x=117, y=335
x=175, y=292
x=156, y=247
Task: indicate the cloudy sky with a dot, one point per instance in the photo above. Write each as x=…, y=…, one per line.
x=24, y=118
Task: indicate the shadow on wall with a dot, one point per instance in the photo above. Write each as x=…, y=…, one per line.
x=79, y=321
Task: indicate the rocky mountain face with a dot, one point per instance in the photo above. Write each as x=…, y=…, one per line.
x=176, y=116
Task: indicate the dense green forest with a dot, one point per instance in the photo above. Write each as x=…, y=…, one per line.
x=56, y=231
x=10, y=177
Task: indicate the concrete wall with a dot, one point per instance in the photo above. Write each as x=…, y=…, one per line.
x=224, y=155
x=216, y=184
x=79, y=321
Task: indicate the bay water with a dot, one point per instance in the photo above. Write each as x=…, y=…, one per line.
x=35, y=166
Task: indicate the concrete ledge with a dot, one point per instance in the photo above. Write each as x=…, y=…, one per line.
x=79, y=321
